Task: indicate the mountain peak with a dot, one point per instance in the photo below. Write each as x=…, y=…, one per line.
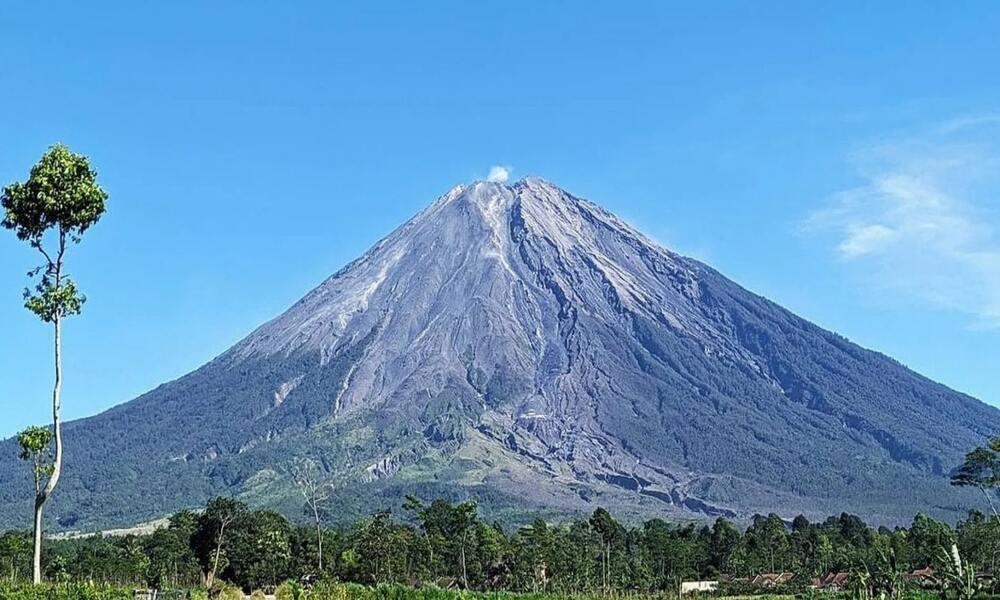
x=486, y=188
x=532, y=181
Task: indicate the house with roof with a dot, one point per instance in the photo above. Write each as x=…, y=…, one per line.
x=923, y=577
x=772, y=579
x=834, y=581
x=694, y=587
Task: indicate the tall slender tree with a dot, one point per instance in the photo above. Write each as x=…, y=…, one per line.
x=315, y=493
x=51, y=211
x=209, y=540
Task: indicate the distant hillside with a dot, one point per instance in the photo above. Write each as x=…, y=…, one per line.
x=527, y=348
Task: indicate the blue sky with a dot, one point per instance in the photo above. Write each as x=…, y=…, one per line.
x=839, y=158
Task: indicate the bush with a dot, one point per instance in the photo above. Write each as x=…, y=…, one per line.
x=231, y=592
x=293, y=590
x=69, y=591
x=328, y=590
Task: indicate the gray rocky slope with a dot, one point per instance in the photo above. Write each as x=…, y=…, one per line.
x=527, y=348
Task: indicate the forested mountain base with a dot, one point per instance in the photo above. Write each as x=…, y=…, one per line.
x=447, y=545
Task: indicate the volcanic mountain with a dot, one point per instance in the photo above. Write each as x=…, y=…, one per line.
x=526, y=348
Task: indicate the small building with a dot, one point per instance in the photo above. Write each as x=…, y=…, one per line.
x=922, y=577
x=834, y=581
x=694, y=587
x=772, y=579
x=448, y=583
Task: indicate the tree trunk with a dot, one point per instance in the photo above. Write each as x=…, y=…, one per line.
x=36, y=563
x=50, y=486
x=56, y=410
x=319, y=535
x=319, y=540
x=465, y=576
x=989, y=500
x=604, y=570
x=215, y=562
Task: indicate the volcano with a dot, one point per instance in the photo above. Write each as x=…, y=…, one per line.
x=524, y=347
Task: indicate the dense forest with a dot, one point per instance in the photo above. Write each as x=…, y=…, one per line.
x=448, y=544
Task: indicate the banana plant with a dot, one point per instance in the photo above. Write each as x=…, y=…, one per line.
x=956, y=577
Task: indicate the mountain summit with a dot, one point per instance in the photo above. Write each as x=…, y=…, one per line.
x=525, y=347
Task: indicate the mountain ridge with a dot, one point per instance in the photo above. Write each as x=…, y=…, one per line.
x=523, y=346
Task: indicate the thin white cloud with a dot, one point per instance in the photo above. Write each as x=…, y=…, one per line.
x=865, y=239
x=926, y=221
x=966, y=121
x=499, y=174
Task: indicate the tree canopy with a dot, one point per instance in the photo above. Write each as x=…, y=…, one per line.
x=428, y=541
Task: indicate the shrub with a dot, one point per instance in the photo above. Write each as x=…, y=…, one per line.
x=26, y=591
x=329, y=590
x=292, y=590
x=231, y=592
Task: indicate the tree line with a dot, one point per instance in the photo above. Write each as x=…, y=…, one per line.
x=450, y=544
